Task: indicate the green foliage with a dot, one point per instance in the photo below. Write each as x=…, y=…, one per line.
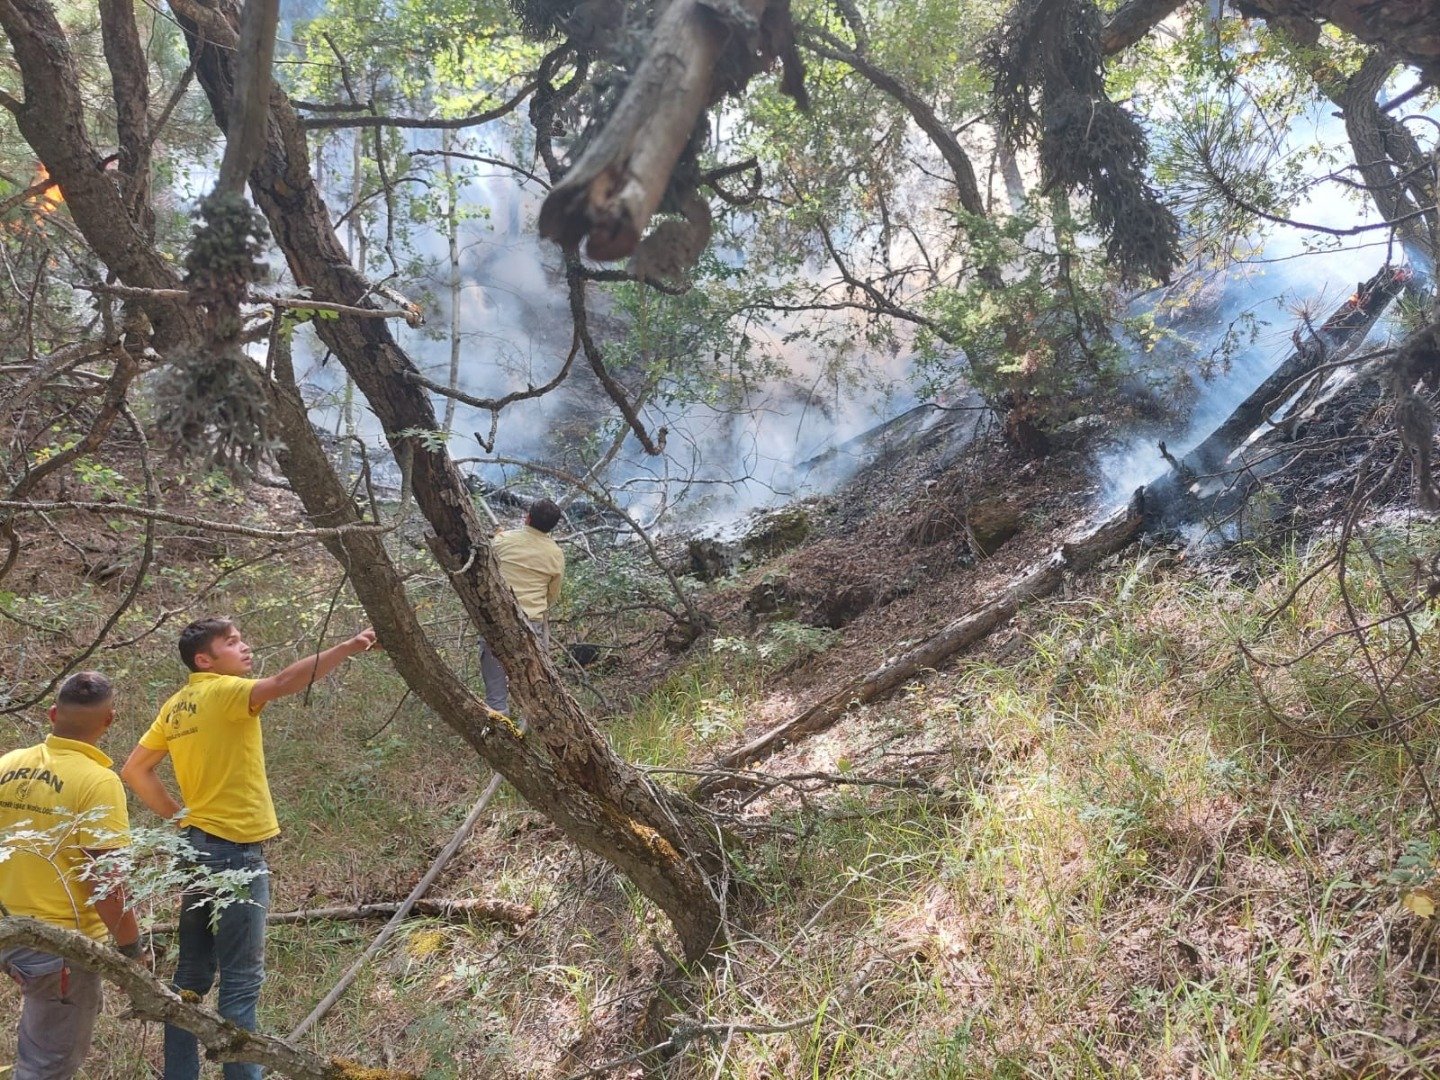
x=154, y=867
x=1051, y=336
x=622, y=576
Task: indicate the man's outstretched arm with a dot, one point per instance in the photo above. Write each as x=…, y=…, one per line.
x=302, y=673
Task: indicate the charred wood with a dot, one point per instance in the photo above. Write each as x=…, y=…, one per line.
x=1202, y=483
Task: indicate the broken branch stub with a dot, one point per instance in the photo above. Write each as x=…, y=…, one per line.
x=608, y=196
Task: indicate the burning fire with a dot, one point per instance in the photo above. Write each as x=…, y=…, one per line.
x=38, y=201
x=47, y=198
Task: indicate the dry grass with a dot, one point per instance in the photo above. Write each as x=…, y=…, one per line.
x=1116, y=862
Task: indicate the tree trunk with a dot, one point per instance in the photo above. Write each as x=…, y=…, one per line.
x=452, y=237
x=562, y=766
x=1200, y=484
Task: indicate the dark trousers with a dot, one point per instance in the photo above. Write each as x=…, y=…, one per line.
x=497, y=683
x=57, y=1017
x=230, y=943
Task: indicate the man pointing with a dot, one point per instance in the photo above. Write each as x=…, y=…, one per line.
x=210, y=729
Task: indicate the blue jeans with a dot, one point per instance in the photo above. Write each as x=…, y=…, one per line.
x=233, y=944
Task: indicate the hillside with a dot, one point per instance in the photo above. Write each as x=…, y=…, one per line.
x=1090, y=847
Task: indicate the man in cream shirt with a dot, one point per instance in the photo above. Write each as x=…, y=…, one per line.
x=533, y=565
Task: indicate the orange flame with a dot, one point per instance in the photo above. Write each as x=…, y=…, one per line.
x=49, y=197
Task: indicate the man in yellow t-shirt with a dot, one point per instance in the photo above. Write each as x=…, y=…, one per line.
x=533, y=565
x=210, y=729
x=64, y=790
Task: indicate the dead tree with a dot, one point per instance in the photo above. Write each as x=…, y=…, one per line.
x=1213, y=478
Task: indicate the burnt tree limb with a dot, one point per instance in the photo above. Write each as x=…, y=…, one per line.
x=609, y=195
x=1075, y=556
x=1199, y=483
x=562, y=765
x=150, y=999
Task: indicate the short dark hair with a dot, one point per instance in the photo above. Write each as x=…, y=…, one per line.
x=544, y=515
x=196, y=638
x=85, y=688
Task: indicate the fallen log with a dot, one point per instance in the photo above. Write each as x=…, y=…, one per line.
x=487, y=910
x=1084, y=551
x=150, y=999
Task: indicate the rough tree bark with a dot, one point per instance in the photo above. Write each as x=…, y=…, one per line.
x=130, y=87
x=563, y=766
x=1408, y=28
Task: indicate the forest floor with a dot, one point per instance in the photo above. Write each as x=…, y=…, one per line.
x=1090, y=847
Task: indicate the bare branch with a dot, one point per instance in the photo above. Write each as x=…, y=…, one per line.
x=153, y=1000
x=21, y=506
x=499, y=163
x=494, y=405
x=316, y=123
x=967, y=188
x=576, y=283
x=411, y=313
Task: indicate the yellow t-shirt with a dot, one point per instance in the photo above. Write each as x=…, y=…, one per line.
x=532, y=564
x=215, y=742
x=41, y=787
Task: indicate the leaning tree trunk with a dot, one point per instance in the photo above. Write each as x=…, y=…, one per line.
x=1207, y=481
x=562, y=765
